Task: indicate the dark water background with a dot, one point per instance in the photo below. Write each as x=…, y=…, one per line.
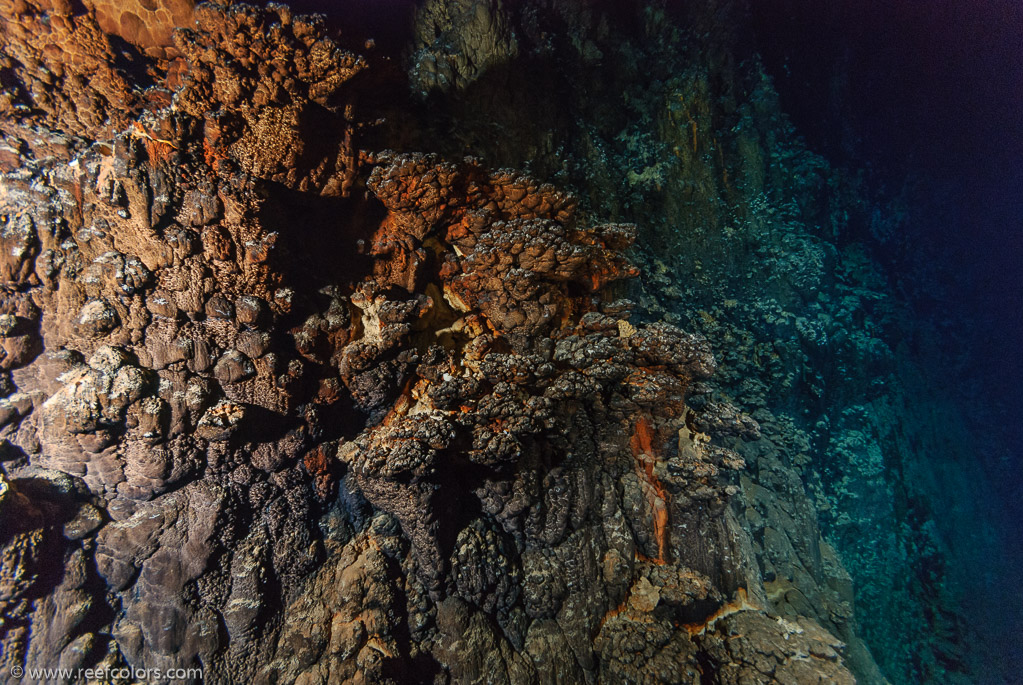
x=928, y=98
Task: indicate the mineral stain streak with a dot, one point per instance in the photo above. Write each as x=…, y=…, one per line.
x=290, y=406
x=642, y=449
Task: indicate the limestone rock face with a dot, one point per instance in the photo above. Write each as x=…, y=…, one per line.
x=288, y=406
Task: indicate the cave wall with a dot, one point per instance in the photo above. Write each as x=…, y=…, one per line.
x=296, y=391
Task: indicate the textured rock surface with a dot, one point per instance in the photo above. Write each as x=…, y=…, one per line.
x=291, y=399
x=659, y=114
x=147, y=24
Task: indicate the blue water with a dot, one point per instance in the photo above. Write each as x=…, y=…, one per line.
x=928, y=98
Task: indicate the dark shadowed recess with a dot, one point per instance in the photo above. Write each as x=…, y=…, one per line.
x=388, y=23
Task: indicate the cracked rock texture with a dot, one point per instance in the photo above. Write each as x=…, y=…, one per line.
x=294, y=392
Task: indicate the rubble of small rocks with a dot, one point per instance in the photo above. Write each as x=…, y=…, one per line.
x=291, y=409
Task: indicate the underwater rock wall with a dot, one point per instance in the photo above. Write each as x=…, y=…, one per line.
x=287, y=406
x=661, y=115
x=295, y=391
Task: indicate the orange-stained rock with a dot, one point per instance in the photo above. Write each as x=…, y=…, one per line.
x=64, y=71
x=146, y=24
x=302, y=410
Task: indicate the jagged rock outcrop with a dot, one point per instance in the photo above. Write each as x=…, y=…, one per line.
x=291, y=409
x=456, y=42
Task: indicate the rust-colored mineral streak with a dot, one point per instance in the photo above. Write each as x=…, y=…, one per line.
x=642, y=449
